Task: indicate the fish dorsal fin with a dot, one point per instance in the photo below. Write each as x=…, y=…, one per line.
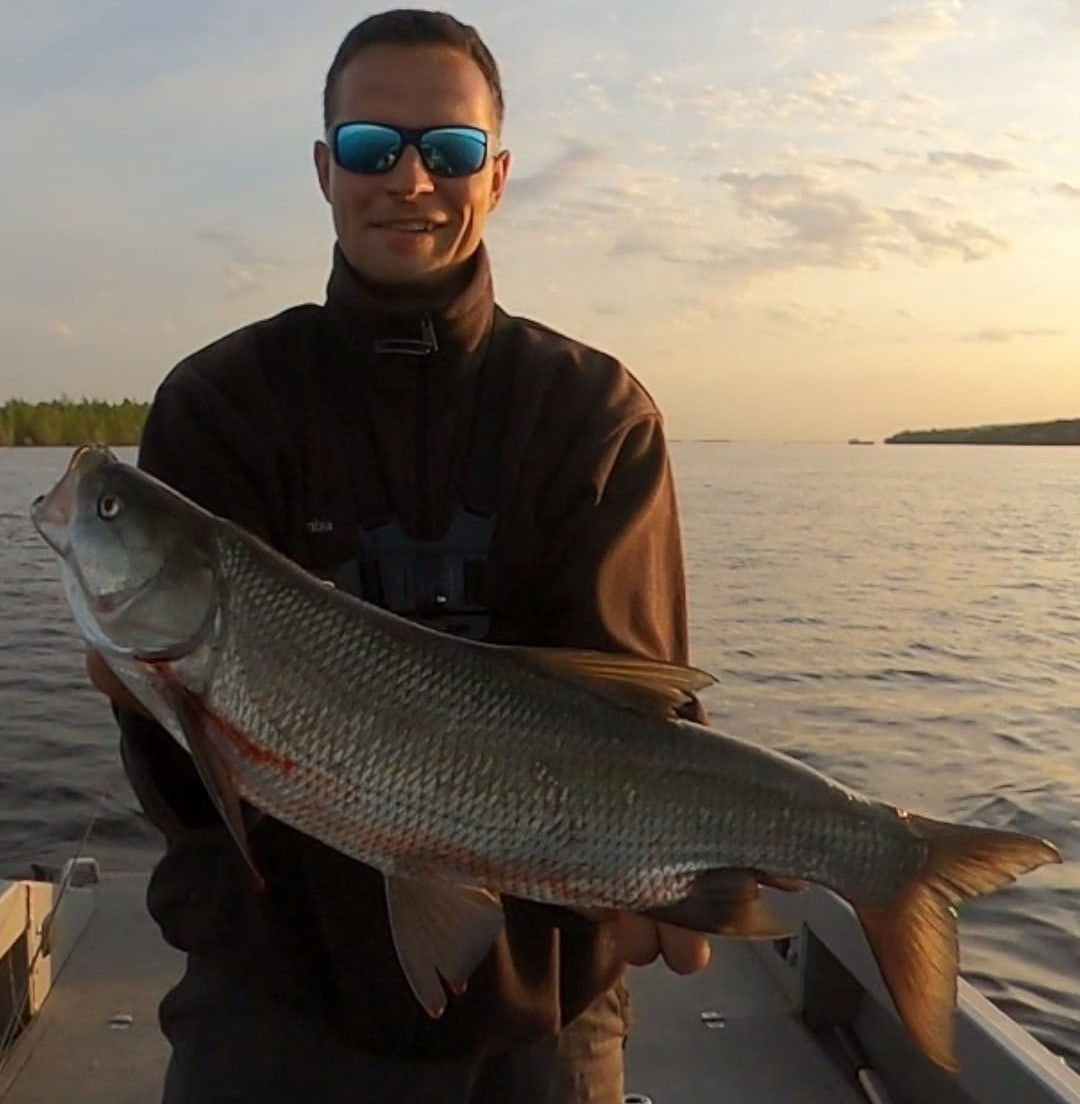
x=633, y=682
x=441, y=933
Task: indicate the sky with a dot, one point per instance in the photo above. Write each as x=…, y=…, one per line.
x=791, y=220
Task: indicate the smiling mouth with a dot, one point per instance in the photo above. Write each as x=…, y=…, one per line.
x=408, y=226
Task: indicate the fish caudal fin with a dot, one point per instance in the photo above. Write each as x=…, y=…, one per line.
x=914, y=938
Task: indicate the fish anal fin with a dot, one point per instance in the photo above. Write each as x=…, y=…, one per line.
x=646, y=685
x=214, y=769
x=724, y=902
x=441, y=932
x=914, y=937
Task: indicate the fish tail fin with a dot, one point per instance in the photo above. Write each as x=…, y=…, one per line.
x=914, y=937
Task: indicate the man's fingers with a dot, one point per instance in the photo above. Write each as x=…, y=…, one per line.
x=640, y=941
x=637, y=939
x=684, y=951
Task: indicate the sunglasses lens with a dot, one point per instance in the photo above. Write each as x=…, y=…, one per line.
x=366, y=147
x=454, y=151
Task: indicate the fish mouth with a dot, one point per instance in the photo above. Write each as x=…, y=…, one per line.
x=52, y=513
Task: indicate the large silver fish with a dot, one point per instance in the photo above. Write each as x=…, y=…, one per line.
x=464, y=770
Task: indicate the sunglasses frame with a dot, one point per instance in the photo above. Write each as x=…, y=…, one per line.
x=409, y=136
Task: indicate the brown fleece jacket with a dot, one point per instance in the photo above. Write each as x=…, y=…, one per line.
x=265, y=427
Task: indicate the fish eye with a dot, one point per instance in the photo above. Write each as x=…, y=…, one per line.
x=109, y=506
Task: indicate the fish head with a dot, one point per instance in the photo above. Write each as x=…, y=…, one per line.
x=134, y=556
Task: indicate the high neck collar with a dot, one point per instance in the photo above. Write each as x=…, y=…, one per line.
x=437, y=325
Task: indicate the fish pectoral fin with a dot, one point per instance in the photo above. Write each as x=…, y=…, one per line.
x=724, y=902
x=646, y=685
x=442, y=932
x=914, y=936
x=214, y=770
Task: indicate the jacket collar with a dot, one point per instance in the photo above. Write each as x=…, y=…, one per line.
x=442, y=328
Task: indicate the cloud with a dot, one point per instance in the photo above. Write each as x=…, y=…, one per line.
x=576, y=162
x=1000, y=335
x=817, y=225
x=215, y=236
x=243, y=280
x=960, y=237
x=796, y=317
x=594, y=92
x=906, y=32
x=820, y=225
x=639, y=244
x=247, y=269
x=833, y=99
x=859, y=164
x=948, y=164
x=1066, y=190
x=972, y=162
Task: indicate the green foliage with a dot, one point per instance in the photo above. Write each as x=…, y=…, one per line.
x=1064, y=431
x=65, y=422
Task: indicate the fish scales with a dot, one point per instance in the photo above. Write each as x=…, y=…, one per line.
x=586, y=818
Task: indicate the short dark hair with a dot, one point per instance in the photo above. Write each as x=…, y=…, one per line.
x=414, y=27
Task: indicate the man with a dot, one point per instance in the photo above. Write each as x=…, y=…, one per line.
x=412, y=443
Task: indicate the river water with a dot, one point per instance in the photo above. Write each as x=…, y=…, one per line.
x=905, y=618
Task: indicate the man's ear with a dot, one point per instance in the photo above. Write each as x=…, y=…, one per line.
x=500, y=173
x=321, y=153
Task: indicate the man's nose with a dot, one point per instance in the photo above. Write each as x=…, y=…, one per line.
x=410, y=175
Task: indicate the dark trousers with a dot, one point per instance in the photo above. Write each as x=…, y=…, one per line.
x=230, y=1050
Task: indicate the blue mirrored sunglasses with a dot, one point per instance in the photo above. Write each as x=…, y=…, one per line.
x=375, y=148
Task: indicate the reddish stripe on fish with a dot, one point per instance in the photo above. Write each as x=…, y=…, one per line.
x=253, y=752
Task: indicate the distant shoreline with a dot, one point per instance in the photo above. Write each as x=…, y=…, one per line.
x=110, y=442
x=64, y=422
x=68, y=422
x=1063, y=431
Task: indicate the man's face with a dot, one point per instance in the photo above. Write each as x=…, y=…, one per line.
x=409, y=226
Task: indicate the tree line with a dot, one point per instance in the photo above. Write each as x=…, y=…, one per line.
x=1063, y=431
x=69, y=422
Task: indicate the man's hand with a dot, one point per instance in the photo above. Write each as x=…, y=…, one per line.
x=102, y=677
x=639, y=940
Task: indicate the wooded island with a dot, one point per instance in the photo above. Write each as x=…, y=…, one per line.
x=1064, y=431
